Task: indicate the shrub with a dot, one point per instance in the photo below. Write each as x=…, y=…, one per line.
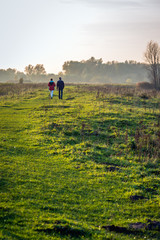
x=21, y=80
x=144, y=85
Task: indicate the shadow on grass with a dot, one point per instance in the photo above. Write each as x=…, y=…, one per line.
x=6, y=106
x=131, y=232
x=3, y=185
x=114, y=119
x=70, y=98
x=138, y=229
x=63, y=229
x=54, y=106
x=137, y=102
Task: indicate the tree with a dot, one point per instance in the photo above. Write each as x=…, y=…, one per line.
x=29, y=70
x=35, y=73
x=21, y=80
x=39, y=69
x=152, y=58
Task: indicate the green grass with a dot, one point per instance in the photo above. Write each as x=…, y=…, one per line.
x=70, y=167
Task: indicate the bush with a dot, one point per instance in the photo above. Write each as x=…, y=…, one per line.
x=144, y=85
x=21, y=80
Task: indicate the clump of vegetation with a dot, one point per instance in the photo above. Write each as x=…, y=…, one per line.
x=86, y=167
x=145, y=85
x=19, y=88
x=21, y=81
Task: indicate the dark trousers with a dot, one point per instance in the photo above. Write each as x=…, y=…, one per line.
x=60, y=93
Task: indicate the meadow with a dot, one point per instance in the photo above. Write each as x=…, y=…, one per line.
x=85, y=167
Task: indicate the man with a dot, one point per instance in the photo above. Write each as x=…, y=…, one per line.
x=60, y=87
x=51, y=86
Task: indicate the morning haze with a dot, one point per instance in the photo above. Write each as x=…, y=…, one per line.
x=54, y=32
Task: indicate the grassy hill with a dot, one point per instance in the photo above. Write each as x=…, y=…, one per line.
x=85, y=167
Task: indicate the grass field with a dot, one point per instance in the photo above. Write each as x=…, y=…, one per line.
x=85, y=167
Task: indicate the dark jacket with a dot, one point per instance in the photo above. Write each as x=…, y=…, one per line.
x=60, y=84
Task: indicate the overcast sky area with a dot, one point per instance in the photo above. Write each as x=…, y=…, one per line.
x=50, y=32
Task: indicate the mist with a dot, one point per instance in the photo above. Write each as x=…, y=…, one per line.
x=84, y=71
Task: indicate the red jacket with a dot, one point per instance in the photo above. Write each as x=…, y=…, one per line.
x=51, y=85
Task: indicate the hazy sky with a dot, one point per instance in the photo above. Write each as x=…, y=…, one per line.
x=51, y=32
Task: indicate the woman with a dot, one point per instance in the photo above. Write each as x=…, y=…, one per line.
x=51, y=86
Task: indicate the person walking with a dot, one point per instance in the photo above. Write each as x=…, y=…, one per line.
x=51, y=86
x=60, y=87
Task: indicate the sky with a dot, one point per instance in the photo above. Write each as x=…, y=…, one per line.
x=51, y=32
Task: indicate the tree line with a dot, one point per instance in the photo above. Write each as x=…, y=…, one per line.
x=95, y=71
x=31, y=74
x=85, y=71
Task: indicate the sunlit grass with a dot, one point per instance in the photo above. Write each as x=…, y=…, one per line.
x=71, y=167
